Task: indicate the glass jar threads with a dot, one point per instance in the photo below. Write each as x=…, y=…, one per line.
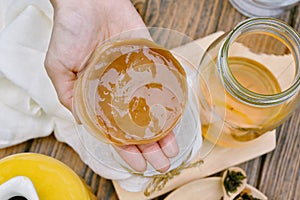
x=249, y=81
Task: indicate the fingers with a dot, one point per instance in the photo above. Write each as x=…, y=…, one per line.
x=135, y=157
x=132, y=156
x=154, y=155
x=157, y=154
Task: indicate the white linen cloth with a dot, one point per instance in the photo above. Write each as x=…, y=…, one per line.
x=29, y=105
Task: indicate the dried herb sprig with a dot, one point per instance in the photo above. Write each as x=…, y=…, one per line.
x=232, y=181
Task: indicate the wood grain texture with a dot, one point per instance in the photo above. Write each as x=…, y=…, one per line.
x=276, y=174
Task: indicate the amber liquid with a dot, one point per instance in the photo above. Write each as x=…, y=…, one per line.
x=240, y=121
x=140, y=94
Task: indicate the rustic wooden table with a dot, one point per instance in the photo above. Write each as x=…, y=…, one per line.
x=276, y=174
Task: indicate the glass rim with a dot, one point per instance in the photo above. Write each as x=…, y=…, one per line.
x=239, y=91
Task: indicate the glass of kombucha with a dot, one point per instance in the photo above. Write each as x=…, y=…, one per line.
x=135, y=91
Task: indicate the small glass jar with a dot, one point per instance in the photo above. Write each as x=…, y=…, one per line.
x=131, y=92
x=263, y=8
x=249, y=81
x=51, y=178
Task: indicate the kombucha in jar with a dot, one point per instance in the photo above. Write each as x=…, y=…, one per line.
x=249, y=81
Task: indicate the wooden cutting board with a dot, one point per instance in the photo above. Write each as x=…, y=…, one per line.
x=219, y=158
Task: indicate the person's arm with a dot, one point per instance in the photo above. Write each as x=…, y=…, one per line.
x=78, y=27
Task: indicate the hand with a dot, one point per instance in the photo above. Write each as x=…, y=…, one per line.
x=78, y=28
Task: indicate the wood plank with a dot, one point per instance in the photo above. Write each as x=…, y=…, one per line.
x=280, y=177
x=20, y=148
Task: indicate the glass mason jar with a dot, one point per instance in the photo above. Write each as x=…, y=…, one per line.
x=249, y=81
